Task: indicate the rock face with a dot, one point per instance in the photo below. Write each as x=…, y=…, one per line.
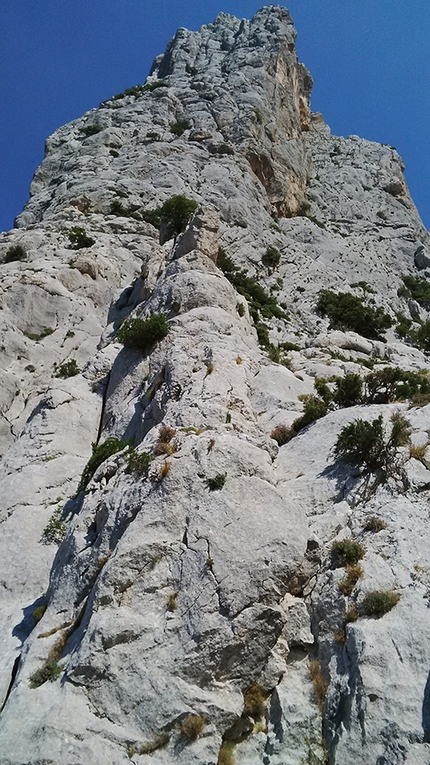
x=182, y=603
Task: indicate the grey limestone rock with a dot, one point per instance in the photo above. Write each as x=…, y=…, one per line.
x=177, y=600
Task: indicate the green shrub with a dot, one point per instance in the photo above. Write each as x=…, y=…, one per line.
x=117, y=208
x=67, y=369
x=55, y=530
x=394, y=384
x=349, y=390
x=282, y=434
x=416, y=288
x=51, y=670
x=421, y=338
x=348, y=551
x=179, y=126
x=79, y=238
x=139, y=90
x=88, y=130
x=217, y=482
x=366, y=443
x=271, y=258
x=314, y=409
x=177, y=211
x=138, y=462
x=379, y=602
x=349, y=312
x=142, y=333
x=100, y=454
x=36, y=337
x=15, y=252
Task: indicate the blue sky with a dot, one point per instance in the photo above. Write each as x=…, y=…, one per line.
x=370, y=60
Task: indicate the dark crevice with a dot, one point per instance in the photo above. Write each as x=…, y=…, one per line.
x=12, y=680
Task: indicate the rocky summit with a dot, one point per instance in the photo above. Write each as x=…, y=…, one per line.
x=215, y=417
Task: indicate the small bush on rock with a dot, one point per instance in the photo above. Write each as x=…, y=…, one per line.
x=100, y=454
x=14, y=253
x=348, y=551
x=353, y=572
x=379, y=602
x=179, y=126
x=271, y=258
x=349, y=312
x=55, y=530
x=138, y=462
x=366, y=443
x=375, y=524
x=217, y=482
x=254, y=702
x=79, y=238
x=67, y=369
x=142, y=333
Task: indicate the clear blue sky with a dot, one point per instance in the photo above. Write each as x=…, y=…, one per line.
x=370, y=60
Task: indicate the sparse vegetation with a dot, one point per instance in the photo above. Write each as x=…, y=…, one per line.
x=79, y=238
x=101, y=453
x=38, y=613
x=37, y=337
x=172, y=599
x=349, y=312
x=142, y=333
x=416, y=288
x=179, y=126
x=366, y=443
x=217, y=482
x=351, y=614
x=271, y=258
x=14, y=253
x=347, y=551
x=88, y=130
x=67, y=369
x=139, y=90
x=353, y=572
x=165, y=443
x=375, y=524
x=319, y=682
x=192, y=726
x=226, y=753
x=138, y=462
x=165, y=470
x=55, y=530
x=254, y=702
x=379, y=602
x=51, y=671
x=282, y=434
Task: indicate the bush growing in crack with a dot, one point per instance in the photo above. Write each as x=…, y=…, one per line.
x=55, y=530
x=217, y=482
x=101, y=453
x=140, y=334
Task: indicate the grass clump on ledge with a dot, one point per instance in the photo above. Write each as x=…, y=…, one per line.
x=349, y=312
x=140, y=334
x=88, y=130
x=67, y=369
x=138, y=462
x=100, y=454
x=179, y=126
x=379, y=602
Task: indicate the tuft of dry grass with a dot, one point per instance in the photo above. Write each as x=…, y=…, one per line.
x=192, y=726
x=209, y=369
x=254, y=702
x=226, y=753
x=319, y=682
x=354, y=572
x=351, y=614
x=238, y=360
x=373, y=523
x=172, y=603
x=165, y=470
x=418, y=452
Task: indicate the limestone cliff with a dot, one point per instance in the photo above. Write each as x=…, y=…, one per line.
x=184, y=594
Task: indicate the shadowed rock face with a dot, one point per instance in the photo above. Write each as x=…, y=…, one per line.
x=185, y=606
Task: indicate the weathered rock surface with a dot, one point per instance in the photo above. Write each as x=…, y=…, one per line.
x=190, y=611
